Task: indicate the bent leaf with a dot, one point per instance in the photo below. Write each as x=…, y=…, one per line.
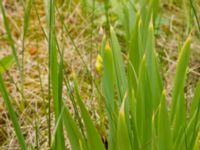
x=6, y=62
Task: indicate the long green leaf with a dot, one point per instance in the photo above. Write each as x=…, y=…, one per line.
x=195, y=100
x=164, y=129
x=194, y=121
x=93, y=137
x=178, y=107
x=153, y=69
x=75, y=137
x=108, y=81
x=12, y=114
x=144, y=106
x=56, y=76
x=120, y=74
x=134, y=56
x=123, y=140
x=180, y=76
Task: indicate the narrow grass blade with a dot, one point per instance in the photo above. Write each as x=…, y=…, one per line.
x=155, y=4
x=57, y=126
x=6, y=62
x=133, y=71
x=108, y=78
x=25, y=31
x=134, y=54
x=140, y=108
x=133, y=124
x=179, y=124
x=164, y=129
x=108, y=82
x=9, y=34
x=144, y=106
x=27, y=16
x=153, y=68
x=178, y=106
x=76, y=139
x=12, y=114
x=120, y=74
x=197, y=143
x=93, y=137
x=56, y=76
x=195, y=100
x=193, y=129
x=134, y=57
x=194, y=121
x=123, y=140
x=180, y=77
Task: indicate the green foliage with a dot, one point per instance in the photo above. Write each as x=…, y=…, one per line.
x=56, y=76
x=93, y=138
x=9, y=34
x=12, y=114
x=132, y=88
x=6, y=62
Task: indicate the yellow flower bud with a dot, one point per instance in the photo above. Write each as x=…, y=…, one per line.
x=99, y=64
x=99, y=58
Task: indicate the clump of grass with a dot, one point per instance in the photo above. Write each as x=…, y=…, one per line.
x=133, y=92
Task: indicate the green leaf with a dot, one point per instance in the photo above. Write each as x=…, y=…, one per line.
x=76, y=139
x=178, y=107
x=6, y=62
x=108, y=77
x=120, y=74
x=194, y=120
x=123, y=140
x=195, y=100
x=56, y=75
x=9, y=35
x=180, y=77
x=134, y=56
x=153, y=68
x=108, y=82
x=12, y=114
x=93, y=137
x=132, y=108
x=155, y=4
x=164, y=128
x=144, y=106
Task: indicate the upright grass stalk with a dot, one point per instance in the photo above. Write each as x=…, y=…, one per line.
x=25, y=31
x=180, y=77
x=195, y=14
x=108, y=82
x=49, y=75
x=56, y=76
x=12, y=114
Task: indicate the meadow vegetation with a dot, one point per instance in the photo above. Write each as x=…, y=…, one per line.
x=93, y=74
